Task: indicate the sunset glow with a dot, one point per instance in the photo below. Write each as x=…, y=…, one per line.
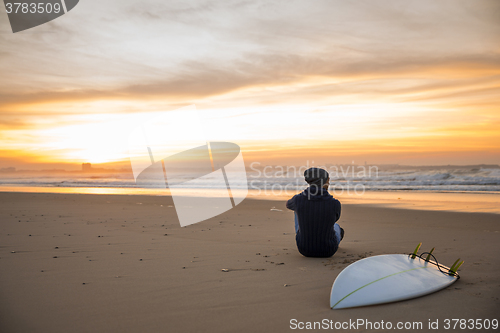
x=414, y=84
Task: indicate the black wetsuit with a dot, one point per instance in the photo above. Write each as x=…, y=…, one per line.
x=317, y=211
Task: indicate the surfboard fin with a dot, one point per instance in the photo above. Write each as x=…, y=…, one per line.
x=455, y=267
x=416, y=251
x=454, y=264
x=429, y=255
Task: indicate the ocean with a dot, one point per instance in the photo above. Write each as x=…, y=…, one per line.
x=280, y=178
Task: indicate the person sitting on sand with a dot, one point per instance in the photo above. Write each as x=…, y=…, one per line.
x=316, y=214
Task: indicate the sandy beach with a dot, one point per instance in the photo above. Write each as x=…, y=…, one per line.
x=118, y=263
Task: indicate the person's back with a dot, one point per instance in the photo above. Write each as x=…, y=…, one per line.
x=316, y=212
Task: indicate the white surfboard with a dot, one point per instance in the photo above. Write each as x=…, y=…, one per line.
x=387, y=278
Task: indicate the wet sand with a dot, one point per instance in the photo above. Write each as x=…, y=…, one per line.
x=122, y=263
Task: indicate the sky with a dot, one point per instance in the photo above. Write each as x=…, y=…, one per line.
x=387, y=82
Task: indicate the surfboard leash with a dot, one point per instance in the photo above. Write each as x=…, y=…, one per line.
x=448, y=271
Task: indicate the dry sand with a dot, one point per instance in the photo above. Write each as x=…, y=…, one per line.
x=117, y=263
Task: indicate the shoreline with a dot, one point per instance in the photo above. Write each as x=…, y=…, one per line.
x=474, y=202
